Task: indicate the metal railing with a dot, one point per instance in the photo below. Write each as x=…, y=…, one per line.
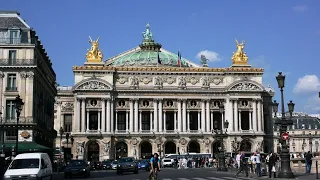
x=18, y=62
x=170, y=131
x=17, y=41
x=145, y=131
x=13, y=120
x=10, y=138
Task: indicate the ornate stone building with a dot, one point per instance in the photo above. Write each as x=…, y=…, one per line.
x=25, y=70
x=148, y=100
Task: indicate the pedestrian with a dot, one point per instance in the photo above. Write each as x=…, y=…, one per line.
x=258, y=164
x=272, y=164
x=243, y=165
x=238, y=159
x=308, y=162
x=252, y=164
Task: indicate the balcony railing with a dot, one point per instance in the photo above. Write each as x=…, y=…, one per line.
x=10, y=138
x=194, y=131
x=17, y=62
x=16, y=41
x=145, y=131
x=121, y=131
x=11, y=89
x=170, y=131
x=13, y=120
x=93, y=131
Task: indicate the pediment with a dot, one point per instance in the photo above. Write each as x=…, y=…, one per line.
x=245, y=86
x=92, y=84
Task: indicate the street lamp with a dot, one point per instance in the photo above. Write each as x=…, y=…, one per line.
x=285, y=171
x=220, y=135
x=18, y=104
x=275, y=107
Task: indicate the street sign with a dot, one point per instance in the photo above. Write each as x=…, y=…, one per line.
x=285, y=136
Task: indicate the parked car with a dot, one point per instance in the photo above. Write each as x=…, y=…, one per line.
x=127, y=164
x=77, y=168
x=167, y=162
x=114, y=165
x=30, y=166
x=144, y=164
x=95, y=165
x=106, y=165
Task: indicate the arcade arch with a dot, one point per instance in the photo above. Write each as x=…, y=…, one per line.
x=194, y=147
x=121, y=150
x=93, y=151
x=145, y=150
x=170, y=148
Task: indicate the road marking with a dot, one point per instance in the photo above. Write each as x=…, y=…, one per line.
x=199, y=178
x=183, y=178
x=214, y=178
x=231, y=178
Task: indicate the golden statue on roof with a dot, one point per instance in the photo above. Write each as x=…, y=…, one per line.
x=240, y=57
x=94, y=54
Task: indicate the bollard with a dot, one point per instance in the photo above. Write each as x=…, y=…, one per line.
x=317, y=175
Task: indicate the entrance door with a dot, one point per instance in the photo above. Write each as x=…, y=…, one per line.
x=93, y=151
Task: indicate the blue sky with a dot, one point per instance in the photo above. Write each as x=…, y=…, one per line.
x=280, y=35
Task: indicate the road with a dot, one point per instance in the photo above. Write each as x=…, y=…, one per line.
x=172, y=174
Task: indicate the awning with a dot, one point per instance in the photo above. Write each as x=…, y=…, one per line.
x=27, y=147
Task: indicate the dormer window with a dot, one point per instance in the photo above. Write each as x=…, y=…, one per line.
x=309, y=126
x=303, y=126
x=14, y=36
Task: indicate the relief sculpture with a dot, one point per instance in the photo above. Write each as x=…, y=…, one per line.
x=157, y=82
x=182, y=83
x=134, y=82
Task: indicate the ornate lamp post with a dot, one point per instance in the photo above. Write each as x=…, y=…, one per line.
x=18, y=104
x=220, y=135
x=285, y=171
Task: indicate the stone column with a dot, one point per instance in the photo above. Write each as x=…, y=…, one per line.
x=259, y=115
x=58, y=114
x=103, y=114
x=77, y=119
x=131, y=119
x=116, y=129
x=254, y=115
x=184, y=115
x=229, y=114
x=127, y=121
x=179, y=116
x=2, y=86
x=165, y=121
x=88, y=121
x=99, y=121
x=140, y=120
x=188, y=121
x=155, y=115
x=240, y=128
x=203, y=116
x=208, y=116
x=151, y=120
x=23, y=78
x=175, y=120
x=262, y=117
x=108, y=116
x=112, y=110
x=199, y=121
x=160, y=120
x=83, y=115
x=211, y=127
x=250, y=120
x=28, y=102
x=136, y=115
x=235, y=119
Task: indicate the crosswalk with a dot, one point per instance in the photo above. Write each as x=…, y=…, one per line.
x=205, y=178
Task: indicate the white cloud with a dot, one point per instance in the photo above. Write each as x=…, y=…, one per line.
x=312, y=104
x=307, y=84
x=210, y=55
x=300, y=8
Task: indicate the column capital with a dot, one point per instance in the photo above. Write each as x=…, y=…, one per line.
x=234, y=99
x=204, y=100
x=105, y=99
x=58, y=103
x=134, y=99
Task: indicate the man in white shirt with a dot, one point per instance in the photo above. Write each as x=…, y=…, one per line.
x=258, y=162
x=238, y=159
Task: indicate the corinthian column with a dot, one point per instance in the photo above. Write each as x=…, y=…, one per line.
x=160, y=120
x=203, y=116
x=259, y=115
x=77, y=116
x=136, y=116
x=236, y=120
x=131, y=115
x=184, y=114
x=108, y=116
x=83, y=115
x=208, y=116
x=155, y=115
x=254, y=115
x=179, y=116
x=103, y=114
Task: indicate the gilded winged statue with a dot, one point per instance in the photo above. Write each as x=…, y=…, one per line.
x=240, y=57
x=94, y=54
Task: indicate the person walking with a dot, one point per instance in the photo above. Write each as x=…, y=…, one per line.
x=238, y=159
x=243, y=165
x=258, y=164
x=272, y=164
x=308, y=162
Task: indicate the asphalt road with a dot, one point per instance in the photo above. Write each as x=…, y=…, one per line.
x=172, y=174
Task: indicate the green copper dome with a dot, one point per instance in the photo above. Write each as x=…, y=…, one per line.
x=147, y=55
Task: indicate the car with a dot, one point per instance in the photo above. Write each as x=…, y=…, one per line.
x=77, y=168
x=114, y=165
x=127, y=164
x=144, y=164
x=106, y=165
x=96, y=165
x=167, y=162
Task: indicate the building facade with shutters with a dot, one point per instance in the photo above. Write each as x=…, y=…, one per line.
x=25, y=70
x=148, y=100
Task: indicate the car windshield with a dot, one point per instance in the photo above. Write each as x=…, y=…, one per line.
x=142, y=161
x=24, y=164
x=123, y=160
x=76, y=163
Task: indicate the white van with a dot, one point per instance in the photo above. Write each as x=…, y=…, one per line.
x=30, y=166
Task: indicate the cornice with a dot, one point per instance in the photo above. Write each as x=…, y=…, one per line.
x=170, y=69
